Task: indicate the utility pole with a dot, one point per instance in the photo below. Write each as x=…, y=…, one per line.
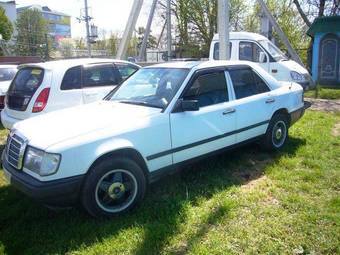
x=87, y=19
x=223, y=28
x=130, y=25
x=142, y=50
x=279, y=31
x=168, y=19
x=46, y=48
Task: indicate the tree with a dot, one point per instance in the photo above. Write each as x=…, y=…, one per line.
x=66, y=47
x=32, y=34
x=6, y=27
x=197, y=23
x=152, y=41
x=311, y=9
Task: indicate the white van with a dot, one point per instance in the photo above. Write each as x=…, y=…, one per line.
x=257, y=48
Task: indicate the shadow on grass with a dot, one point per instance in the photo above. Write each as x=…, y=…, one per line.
x=28, y=228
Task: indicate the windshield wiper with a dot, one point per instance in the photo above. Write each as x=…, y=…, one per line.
x=143, y=103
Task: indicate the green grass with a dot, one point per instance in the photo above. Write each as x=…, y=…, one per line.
x=242, y=202
x=324, y=93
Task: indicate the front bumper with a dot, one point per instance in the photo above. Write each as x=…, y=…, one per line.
x=60, y=193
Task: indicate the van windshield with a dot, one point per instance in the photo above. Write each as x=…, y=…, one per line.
x=274, y=51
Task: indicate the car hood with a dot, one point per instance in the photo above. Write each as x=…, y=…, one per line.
x=4, y=85
x=293, y=66
x=49, y=129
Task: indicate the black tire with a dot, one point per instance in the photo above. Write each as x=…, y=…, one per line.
x=94, y=190
x=277, y=132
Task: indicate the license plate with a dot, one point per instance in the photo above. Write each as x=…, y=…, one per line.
x=8, y=176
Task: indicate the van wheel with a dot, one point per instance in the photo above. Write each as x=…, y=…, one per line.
x=113, y=187
x=277, y=132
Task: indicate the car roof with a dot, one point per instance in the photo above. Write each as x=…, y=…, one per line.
x=68, y=63
x=200, y=64
x=243, y=36
x=8, y=66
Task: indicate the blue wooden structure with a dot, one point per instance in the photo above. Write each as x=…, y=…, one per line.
x=325, y=33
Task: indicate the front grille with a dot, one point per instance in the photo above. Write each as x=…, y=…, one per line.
x=15, y=150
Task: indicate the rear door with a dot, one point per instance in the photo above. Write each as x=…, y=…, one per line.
x=68, y=91
x=253, y=103
x=98, y=81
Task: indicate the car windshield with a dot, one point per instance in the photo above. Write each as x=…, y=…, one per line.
x=274, y=51
x=7, y=74
x=153, y=87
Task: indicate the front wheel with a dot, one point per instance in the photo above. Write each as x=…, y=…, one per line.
x=277, y=132
x=113, y=187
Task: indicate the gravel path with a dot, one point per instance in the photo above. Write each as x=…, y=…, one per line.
x=324, y=105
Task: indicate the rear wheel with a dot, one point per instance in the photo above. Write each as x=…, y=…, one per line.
x=113, y=187
x=277, y=132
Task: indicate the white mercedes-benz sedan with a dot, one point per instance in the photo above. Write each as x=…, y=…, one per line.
x=105, y=154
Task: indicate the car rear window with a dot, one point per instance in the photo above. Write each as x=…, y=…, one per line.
x=7, y=74
x=27, y=80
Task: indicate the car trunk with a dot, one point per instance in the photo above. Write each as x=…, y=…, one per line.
x=22, y=91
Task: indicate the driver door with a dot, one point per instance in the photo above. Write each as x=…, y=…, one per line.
x=251, y=51
x=195, y=133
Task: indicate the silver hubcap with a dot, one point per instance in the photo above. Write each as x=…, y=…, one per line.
x=116, y=190
x=279, y=133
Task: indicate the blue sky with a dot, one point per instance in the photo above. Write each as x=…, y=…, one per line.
x=110, y=15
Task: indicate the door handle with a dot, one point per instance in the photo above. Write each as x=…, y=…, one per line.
x=270, y=100
x=229, y=111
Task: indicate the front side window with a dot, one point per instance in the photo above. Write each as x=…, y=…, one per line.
x=246, y=83
x=249, y=51
x=96, y=76
x=7, y=74
x=274, y=51
x=72, y=79
x=208, y=89
x=126, y=70
x=153, y=87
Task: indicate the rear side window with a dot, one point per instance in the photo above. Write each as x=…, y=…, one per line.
x=217, y=50
x=126, y=70
x=72, y=79
x=249, y=51
x=7, y=74
x=96, y=76
x=208, y=89
x=247, y=83
x=27, y=80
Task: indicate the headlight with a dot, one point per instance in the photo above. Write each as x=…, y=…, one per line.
x=297, y=76
x=41, y=162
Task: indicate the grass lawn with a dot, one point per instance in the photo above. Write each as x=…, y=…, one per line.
x=324, y=93
x=243, y=202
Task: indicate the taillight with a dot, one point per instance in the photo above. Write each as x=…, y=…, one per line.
x=41, y=100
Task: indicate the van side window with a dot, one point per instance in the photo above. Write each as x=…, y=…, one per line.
x=208, y=89
x=217, y=50
x=126, y=70
x=249, y=51
x=246, y=83
x=100, y=75
x=72, y=79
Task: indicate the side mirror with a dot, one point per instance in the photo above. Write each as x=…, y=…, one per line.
x=187, y=105
x=262, y=57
